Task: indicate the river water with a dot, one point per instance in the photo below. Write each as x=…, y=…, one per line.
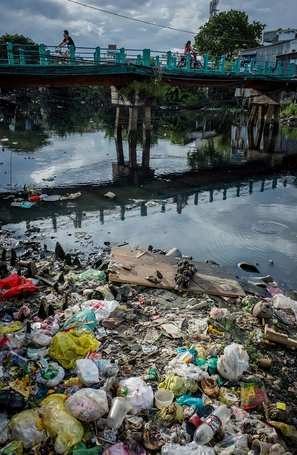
x=197, y=184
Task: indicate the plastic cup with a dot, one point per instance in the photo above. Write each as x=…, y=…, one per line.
x=260, y=447
x=117, y=413
x=163, y=397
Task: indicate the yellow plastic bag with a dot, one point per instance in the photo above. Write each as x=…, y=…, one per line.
x=66, y=429
x=175, y=384
x=67, y=347
x=13, y=326
x=27, y=426
x=288, y=430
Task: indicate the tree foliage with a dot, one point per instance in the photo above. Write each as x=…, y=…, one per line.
x=19, y=42
x=227, y=32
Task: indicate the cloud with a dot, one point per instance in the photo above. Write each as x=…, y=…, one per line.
x=45, y=20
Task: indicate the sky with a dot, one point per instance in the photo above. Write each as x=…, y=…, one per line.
x=44, y=20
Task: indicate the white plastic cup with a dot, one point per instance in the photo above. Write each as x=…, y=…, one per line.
x=117, y=412
x=163, y=397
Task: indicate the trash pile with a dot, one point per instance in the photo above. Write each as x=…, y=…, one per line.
x=89, y=367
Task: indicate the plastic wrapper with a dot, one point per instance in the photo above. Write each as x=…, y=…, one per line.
x=63, y=427
x=27, y=427
x=67, y=347
x=17, y=285
x=101, y=308
x=87, y=404
x=139, y=395
x=87, y=371
x=189, y=449
x=233, y=362
x=13, y=448
x=83, y=320
x=252, y=394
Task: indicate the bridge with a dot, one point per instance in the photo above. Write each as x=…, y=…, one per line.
x=41, y=66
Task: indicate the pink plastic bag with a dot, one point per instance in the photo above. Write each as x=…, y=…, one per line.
x=18, y=284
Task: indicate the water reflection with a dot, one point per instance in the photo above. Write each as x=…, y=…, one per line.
x=190, y=180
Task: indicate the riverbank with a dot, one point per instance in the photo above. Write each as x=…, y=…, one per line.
x=145, y=338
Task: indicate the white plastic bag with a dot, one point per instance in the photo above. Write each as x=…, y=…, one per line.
x=190, y=449
x=233, y=362
x=187, y=371
x=139, y=394
x=87, y=372
x=5, y=433
x=87, y=404
x=101, y=308
x=54, y=375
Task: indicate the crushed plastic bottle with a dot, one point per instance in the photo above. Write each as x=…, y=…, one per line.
x=215, y=421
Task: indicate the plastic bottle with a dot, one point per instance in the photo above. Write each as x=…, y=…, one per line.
x=216, y=420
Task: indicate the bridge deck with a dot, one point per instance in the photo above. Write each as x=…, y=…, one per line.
x=17, y=70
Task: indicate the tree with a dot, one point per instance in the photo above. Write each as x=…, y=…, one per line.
x=31, y=49
x=227, y=32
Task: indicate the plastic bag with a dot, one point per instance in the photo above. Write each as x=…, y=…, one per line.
x=11, y=400
x=189, y=400
x=4, y=428
x=17, y=284
x=233, y=362
x=106, y=369
x=14, y=326
x=87, y=404
x=185, y=370
x=52, y=376
x=189, y=449
x=40, y=339
x=138, y=394
x=82, y=320
x=101, y=308
x=65, y=428
x=87, y=371
x=116, y=449
x=67, y=347
x=27, y=427
x=91, y=274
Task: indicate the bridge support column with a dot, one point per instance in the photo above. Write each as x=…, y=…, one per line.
x=146, y=125
x=264, y=116
x=132, y=135
x=118, y=135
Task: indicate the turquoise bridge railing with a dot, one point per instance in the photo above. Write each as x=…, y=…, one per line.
x=42, y=55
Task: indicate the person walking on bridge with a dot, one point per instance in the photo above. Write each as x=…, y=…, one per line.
x=67, y=41
x=189, y=50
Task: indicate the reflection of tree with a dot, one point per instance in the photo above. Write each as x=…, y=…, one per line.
x=211, y=154
x=23, y=129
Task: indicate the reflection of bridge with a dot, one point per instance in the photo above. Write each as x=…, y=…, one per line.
x=30, y=66
x=102, y=208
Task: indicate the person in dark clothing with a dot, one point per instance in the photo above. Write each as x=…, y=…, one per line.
x=67, y=41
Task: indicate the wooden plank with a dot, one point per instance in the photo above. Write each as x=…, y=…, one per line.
x=210, y=278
